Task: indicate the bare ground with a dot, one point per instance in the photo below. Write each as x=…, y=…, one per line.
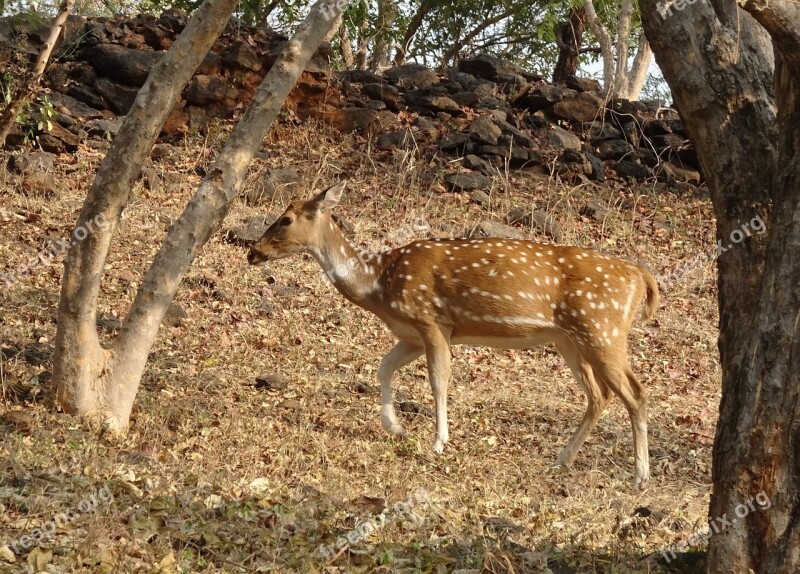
x=223, y=474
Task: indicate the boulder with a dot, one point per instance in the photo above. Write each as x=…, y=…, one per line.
x=459, y=182
x=614, y=149
x=485, y=131
x=121, y=64
x=561, y=138
x=120, y=98
x=411, y=76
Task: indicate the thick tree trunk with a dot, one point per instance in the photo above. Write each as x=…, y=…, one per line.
x=30, y=85
x=719, y=63
x=80, y=370
x=569, y=38
x=103, y=384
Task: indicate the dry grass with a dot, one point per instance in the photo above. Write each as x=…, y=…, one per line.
x=217, y=475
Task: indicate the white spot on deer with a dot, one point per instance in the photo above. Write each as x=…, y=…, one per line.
x=423, y=287
x=615, y=332
x=476, y=265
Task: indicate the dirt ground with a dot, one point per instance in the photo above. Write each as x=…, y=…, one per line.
x=256, y=444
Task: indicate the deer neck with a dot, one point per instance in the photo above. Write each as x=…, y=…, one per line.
x=352, y=276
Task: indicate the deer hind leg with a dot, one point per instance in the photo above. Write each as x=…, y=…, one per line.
x=597, y=396
x=617, y=374
x=437, y=352
x=401, y=354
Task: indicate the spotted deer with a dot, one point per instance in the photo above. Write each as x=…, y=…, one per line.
x=489, y=292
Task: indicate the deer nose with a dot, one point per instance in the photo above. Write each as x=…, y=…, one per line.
x=253, y=257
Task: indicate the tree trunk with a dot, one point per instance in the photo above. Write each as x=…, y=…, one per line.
x=623, y=34
x=425, y=8
x=387, y=13
x=729, y=87
x=638, y=72
x=606, y=50
x=569, y=38
x=345, y=48
x=102, y=384
x=30, y=85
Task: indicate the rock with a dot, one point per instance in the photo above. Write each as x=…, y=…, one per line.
x=465, y=99
x=476, y=163
x=38, y=184
x=103, y=128
x=28, y=163
x=442, y=104
x=150, y=178
x=363, y=77
x=496, y=70
x=601, y=130
x=541, y=97
x=394, y=140
x=647, y=156
x=251, y=230
x=89, y=97
x=411, y=76
x=583, y=84
x=120, y=98
x=70, y=140
x=496, y=229
x=518, y=137
x=614, y=149
x=479, y=197
x=654, y=127
x=175, y=315
x=584, y=107
x=241, y=55
x=124, y=65
x=454, y=142
x=598, y=169
x=160, y=151
x=666, y=141
x=276, y=185
x=203, y=90
x=76, y=108
x=594, y=210
x=517, y=155
x=561, y=138
x=484, y=130
x=537, y=220
x=629, y=169
x=272, y=382
x=459, y=182
x=386, y=93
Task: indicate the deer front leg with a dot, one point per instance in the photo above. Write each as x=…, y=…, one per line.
x=401, y=354
x=437, y=351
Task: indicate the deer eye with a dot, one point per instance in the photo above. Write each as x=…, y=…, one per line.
x=285, y=221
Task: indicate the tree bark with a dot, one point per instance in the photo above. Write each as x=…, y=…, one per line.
x=638, y=72
x=623, y=34
x=425, y=8
x=30, y=85
x=606, y=50
x=569, y=38
x=345, y=48
x=739, y=99
x=102, y=384
x=387, y=13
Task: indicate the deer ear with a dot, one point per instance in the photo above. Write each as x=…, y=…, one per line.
x=329, y=198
